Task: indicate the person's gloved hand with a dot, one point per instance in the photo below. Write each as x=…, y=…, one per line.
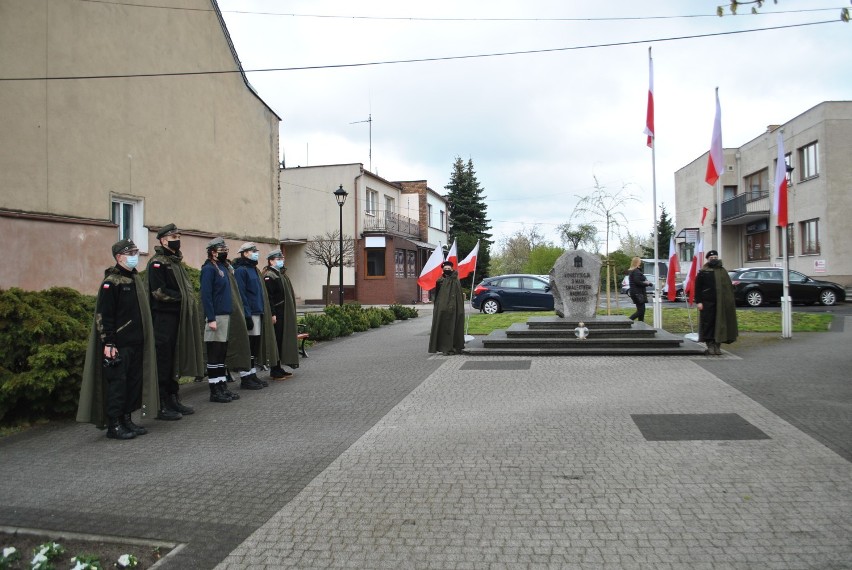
x=249, y=323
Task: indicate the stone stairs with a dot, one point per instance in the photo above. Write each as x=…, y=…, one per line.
x=608, y=336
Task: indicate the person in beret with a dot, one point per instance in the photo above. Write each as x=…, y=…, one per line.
x=177, y=323
x=282, y=300
x=119, y=374
x=447, y=334
x=714, y=298
x=217, y=304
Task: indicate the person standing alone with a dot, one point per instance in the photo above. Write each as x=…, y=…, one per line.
x=447, y=335
x=177, y=323
x=714, y=298
x=637, y=292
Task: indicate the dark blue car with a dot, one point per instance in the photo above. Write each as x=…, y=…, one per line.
x=519, y=292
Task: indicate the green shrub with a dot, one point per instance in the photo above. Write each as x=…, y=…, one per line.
x=388, y=316
x=321, y=326
x=44, y=336
x=342, y=317
x=402, y=312
x=374, y=316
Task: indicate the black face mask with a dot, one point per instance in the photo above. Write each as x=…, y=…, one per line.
x=174, y=245
x=447, y=271
x=222, y=256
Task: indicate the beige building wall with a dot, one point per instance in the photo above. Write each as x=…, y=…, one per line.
x=200, y=151
x=826, y=197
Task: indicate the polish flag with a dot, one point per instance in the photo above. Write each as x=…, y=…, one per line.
x=649, y=116
x=780, y=206
x=468, y=264
x=453, y=255
x=674, y=269
x=697, y=261
x=431, y=271
x=716, y=160
x=704, y=212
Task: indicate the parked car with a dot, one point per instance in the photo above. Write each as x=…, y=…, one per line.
x=519, y=292
x=625, y=283
x=755, y=286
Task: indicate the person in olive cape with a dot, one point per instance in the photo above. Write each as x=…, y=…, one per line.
x=714, y=298
x=120, y=371
x=283, y=303
x=447, y=335
x=177, y=323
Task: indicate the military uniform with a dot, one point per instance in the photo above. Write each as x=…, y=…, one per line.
x=447, y=334
x=282, y=301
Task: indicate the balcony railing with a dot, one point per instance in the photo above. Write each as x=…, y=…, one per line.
x=390, y=222
x=745, y=206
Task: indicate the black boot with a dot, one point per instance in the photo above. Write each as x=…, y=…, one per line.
x=176, y=405
x=228, y=393
x=260, y=381
x=248, y=383
x=117, y=430
x=127, y=422
x=217, y=395
x=166, y=412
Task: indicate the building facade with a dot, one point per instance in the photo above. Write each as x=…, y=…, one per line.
x=389, y=222
x=817, y=144
x=110, y=128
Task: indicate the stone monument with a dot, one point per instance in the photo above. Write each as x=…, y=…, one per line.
x=575, y=282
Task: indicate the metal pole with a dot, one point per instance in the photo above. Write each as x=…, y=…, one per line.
x=340, y=245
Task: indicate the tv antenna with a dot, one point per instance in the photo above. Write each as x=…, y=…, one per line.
x=369, y=120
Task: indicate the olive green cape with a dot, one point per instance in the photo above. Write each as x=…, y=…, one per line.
x=92, y=405
x=239, y=353
x=447, y=333
x=726, y=311
x=268, y=345
x=288, y=350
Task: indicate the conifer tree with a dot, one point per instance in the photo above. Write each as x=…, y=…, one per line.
x=665, y=230
x=468, y=217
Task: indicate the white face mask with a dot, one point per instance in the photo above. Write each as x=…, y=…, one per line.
x=131, y=261
x=279, y=264
x=253, y=256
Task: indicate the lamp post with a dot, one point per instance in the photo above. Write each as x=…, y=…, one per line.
x=340, y=195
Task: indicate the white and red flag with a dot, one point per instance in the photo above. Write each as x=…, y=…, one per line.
x=468, y=264
x=716, y=160
x=674, y=269
x=780, y=206
x=649, y=115
x=704, y=212
x=453, y=255
x=697, y=262
x=431, y=271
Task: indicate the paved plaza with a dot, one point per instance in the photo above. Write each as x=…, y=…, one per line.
x=378, y=455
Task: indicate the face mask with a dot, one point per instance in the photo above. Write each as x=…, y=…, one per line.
x=447, y=271
x=174, y=245
x=254, y=256
x=222, y=256
x=131, y=261
x=279, y=264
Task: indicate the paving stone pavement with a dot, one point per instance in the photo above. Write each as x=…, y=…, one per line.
x=378, y=455
x=545, y=468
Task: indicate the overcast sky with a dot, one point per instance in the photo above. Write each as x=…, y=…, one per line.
x=538, y=126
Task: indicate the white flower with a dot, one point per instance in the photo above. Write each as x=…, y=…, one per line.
x=9, y=551
x=40, y=557
x=127, y=561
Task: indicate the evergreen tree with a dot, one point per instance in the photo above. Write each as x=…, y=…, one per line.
x=468, y=217
x=664, y=233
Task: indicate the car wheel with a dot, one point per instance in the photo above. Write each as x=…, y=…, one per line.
x=827, y=297
x=754, y=298
x=490, y=307
x=681, y=296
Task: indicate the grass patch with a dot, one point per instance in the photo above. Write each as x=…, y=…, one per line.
x=675, y=320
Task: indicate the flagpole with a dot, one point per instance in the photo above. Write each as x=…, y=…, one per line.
x=658, y=303
x=467, y=315
x=786, y=301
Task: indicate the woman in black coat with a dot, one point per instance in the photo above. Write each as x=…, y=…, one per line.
x=637, y=282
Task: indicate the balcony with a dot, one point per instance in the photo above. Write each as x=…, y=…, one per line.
x=385, y=222
x=745, y=208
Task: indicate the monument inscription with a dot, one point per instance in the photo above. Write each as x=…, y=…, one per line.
x=575, y=284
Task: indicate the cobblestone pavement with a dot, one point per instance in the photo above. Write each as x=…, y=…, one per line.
x=378, y=455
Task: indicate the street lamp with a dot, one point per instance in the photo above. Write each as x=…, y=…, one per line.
x=340, y=195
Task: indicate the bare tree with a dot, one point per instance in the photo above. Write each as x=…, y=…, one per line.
x=514, y=250
x=634, y=244
x=325, y=250
x=576, y=235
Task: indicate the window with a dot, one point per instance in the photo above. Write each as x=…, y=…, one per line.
x=791, y=241
x=127, y=214
x=429, y=219
x=809, y=231
x=372, y=201
x=728, y=192
x=808, y=156
x=788, y=161
x=376, y=262
x=389, y=204
x=757, y=246
x=511, y=283
x=411, y=268
x=399, y=263
x=757, y=185
x=534, y=284
x=441, y=220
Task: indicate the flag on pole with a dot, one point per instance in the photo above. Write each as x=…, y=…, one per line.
x=674, y=269
x=716, y=160
x=431, y=271
x=704, y=212
x=453, y=255
x=468, y=264
x=780, y=206
x=649, y=116
x=697, y=261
